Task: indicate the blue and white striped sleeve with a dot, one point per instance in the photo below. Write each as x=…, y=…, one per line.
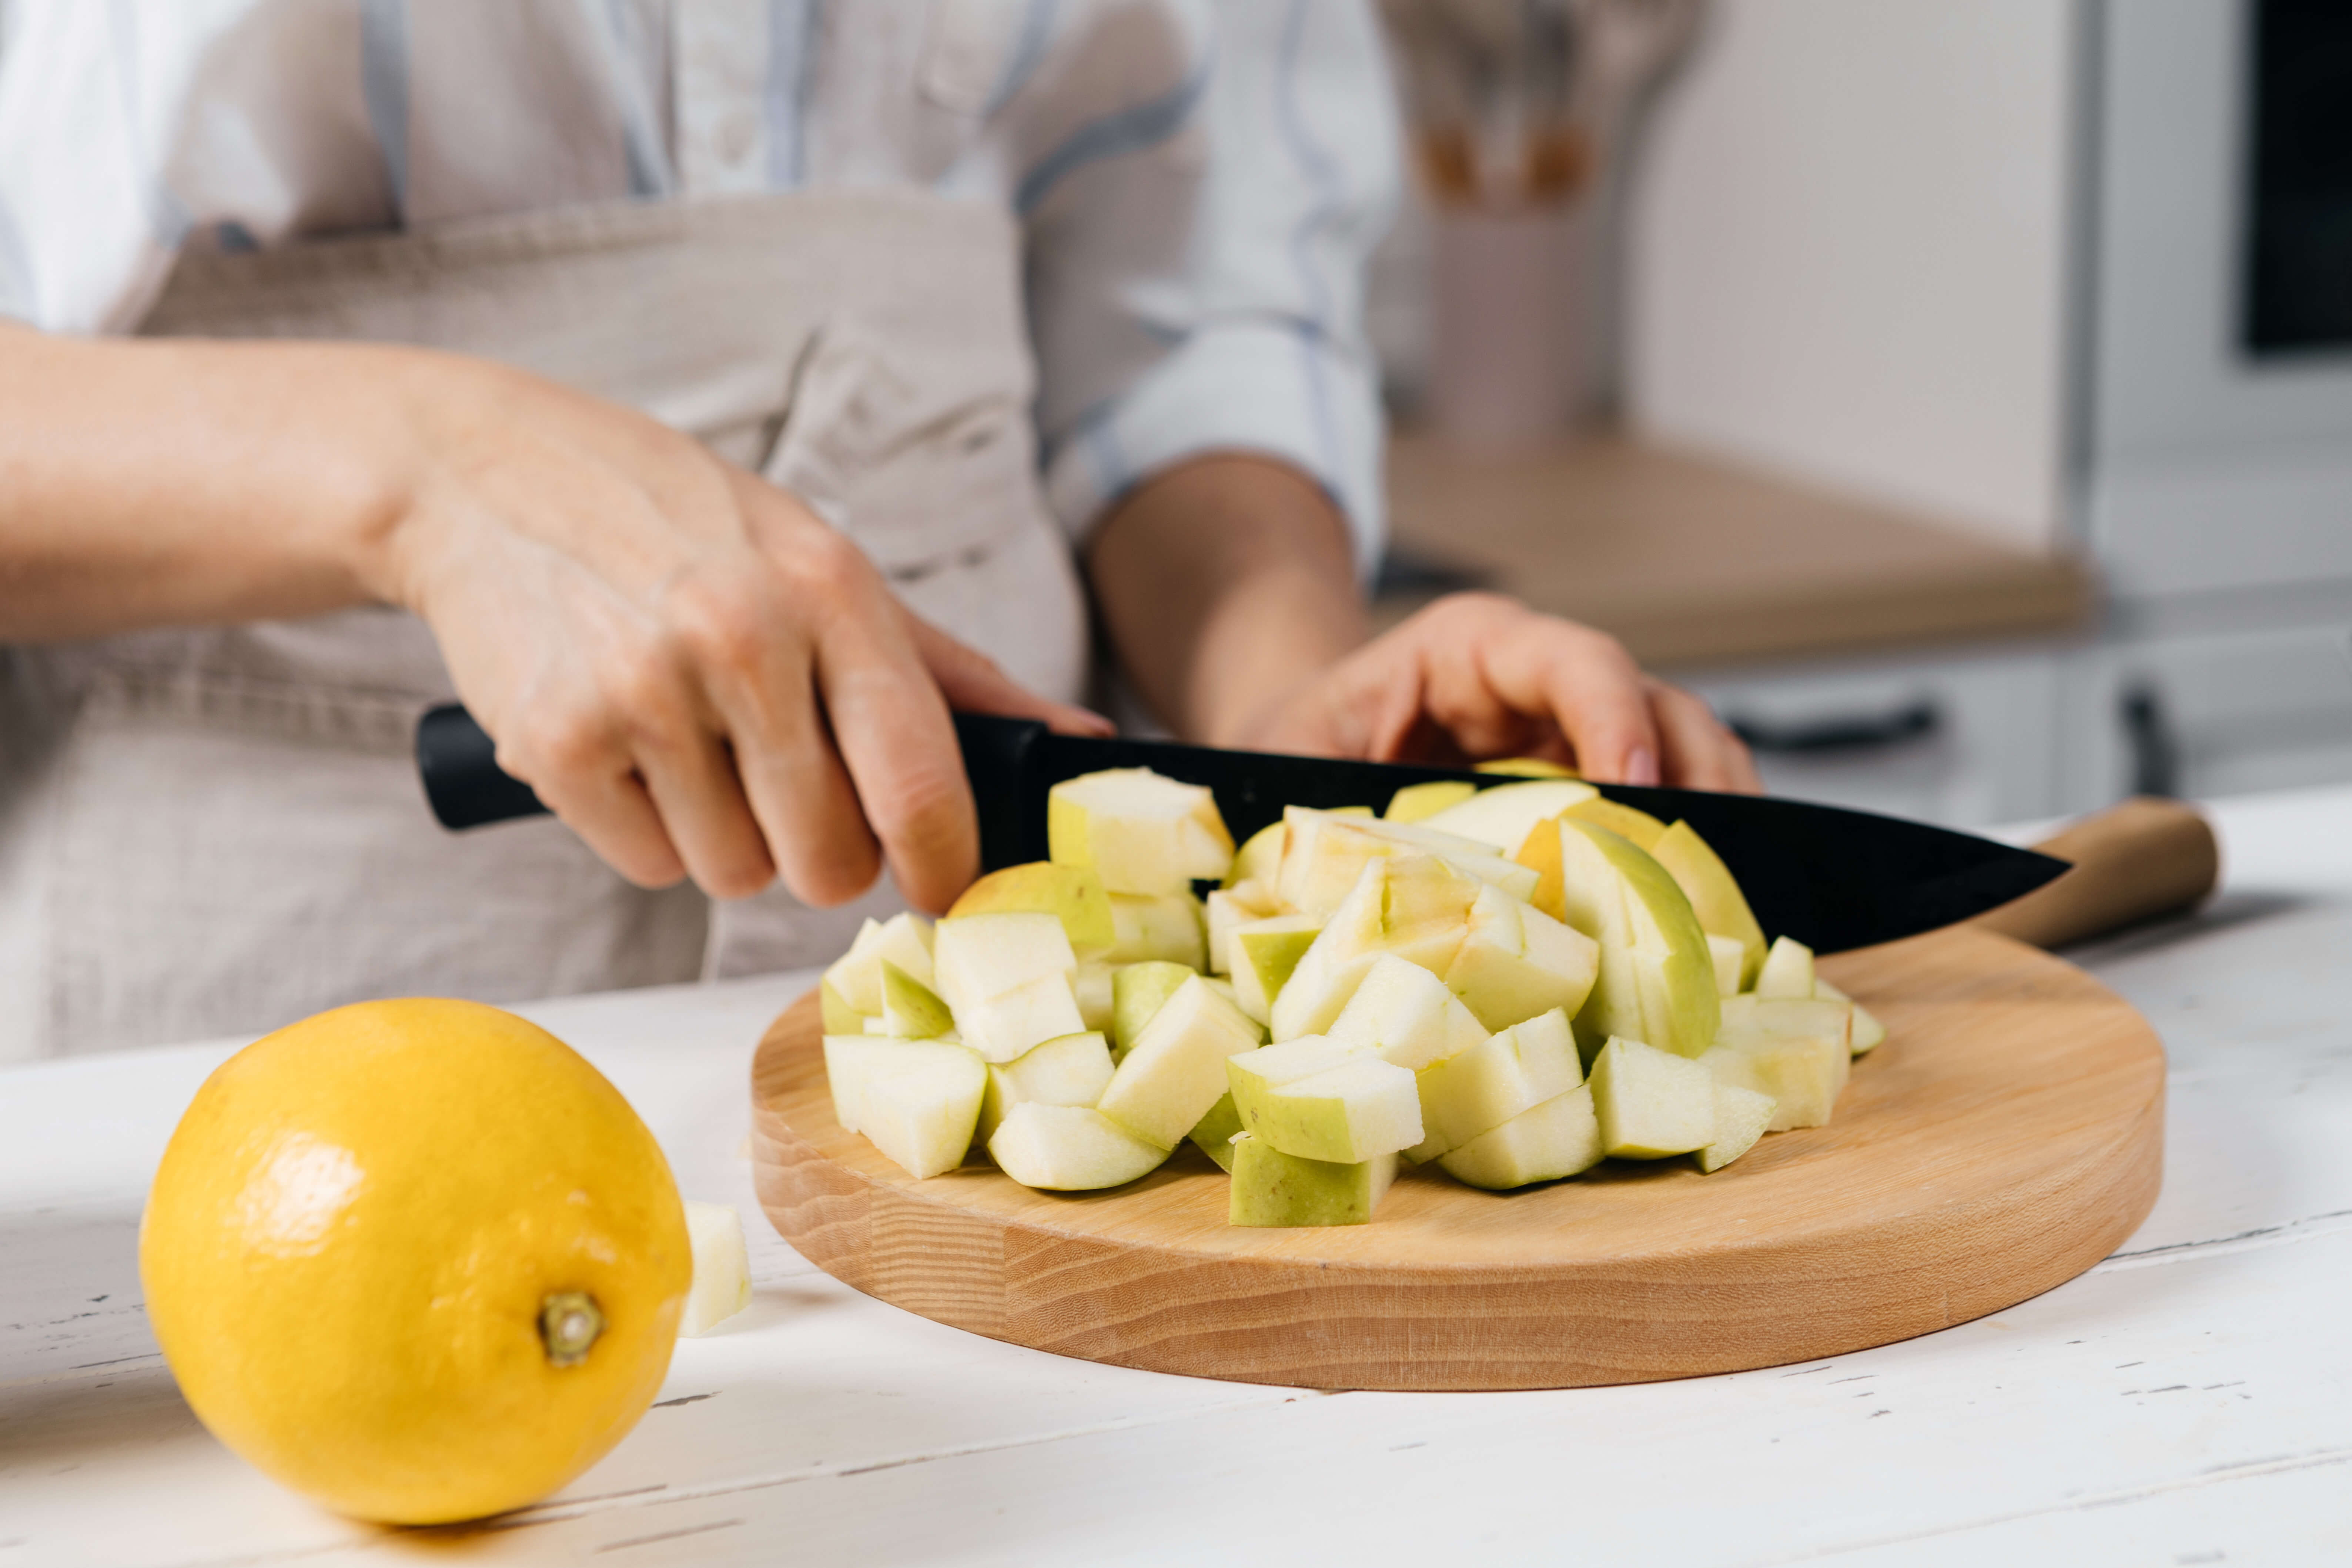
x=1208, y=296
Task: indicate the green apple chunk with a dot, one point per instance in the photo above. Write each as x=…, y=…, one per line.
x=1869, y=1033
x=857, y=975
x=1787, y=971
x=1070, y=1148
x=916, y=1100
x=722, y=1268
x=840, y=1018
x=1559, y=1137
x=1741, y=1117
x=1007, y=979
x=1478, y=1089
x=1213, y=1133
x=1072, y=894
x=1140, y=832
x=1175, y=1070
x=1419, y=803
x=1796, y=1051
x=1730, y=962
x=1348, y=1112
x=1138, y=992
x=1265, y=955
x=1502, y=818
x=1272, y=1188
x=1227, y=908
x=1652, y=1103
x=1072, y=1070
x=910, y=1010
x=1412, y=907
x=1161, y=926
x=1517, y=961
x=1656, y=976
x=1405, y=1014
x=1258, y=859
x=1715, y=898
x=1324, y=855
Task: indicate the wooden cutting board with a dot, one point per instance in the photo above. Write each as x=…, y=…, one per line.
x=2008, y=1136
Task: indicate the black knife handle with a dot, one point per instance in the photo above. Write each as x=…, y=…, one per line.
x=463, y=781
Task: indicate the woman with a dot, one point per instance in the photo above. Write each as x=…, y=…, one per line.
x=711, y=393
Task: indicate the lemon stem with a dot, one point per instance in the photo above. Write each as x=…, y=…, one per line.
x=569, y=1322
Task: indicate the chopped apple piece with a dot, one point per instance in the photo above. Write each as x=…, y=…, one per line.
x=1161, y=926
x=1741, y=1117
x=857, y=975
x=1266, y=953
x=1258, y=859
x=916, y=1100
x=1007, y=979
x=1869, y=1033
x=1517, y=961
x=1173, y=1073
x=1223, y=984
x=1418, y=803
x=1652, y=1103
x=1214, y=1134
x=1138, y=992
x=1072, y=1070
x=1069, y=1148
x=1334, y=963
x=1787, y=971
x=1502, y=818
x=910, y=1008
x=1004, y=1027
x=1528, y=768
x=1324, y=855
x=1638, y=827
x=722, y=1268
x=840, y=1018
x=1140, y=832
x=1656, y=974
x=1346, y=1113
x=1272, y=1188
x=1714, y=897
x=1229, y=908
x=1559, y=1137
x=1093, y=984
x=1476, y=1090
x=1730, y=961
x=1539, y=851
x=1405, y=1014
x=1072, y=894
x=1795, y=1050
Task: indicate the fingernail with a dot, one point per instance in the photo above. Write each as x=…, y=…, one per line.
x=1640, y=768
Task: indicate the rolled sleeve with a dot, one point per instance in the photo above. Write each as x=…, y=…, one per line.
x=1244, y=333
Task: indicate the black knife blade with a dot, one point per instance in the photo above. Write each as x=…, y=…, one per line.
x=1832, y=878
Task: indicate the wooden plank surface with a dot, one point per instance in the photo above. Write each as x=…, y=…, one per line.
x=2008, y=1136
x=1690, y=561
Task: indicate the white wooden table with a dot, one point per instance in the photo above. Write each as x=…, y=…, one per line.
x=2189, y=1401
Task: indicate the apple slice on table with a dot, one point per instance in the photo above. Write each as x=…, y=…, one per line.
x=1265, y=955
x=855, y=977
x=1405, y=1014
x=1228, y=908
x=1651, y=1103
x=1213, y=1133
x=916, y=1100
x=1272, y=1188
x=910, y=1009
x=1419, y=803
x=1138, y=993
x=1795, y=1050
x=1007, y=978
x=1558, y=1136
x=1072, y=894
x=1741, y=1117
x=1069, y=1148
x=1175, y=1071
x=1476, y=1090
x=1502, y=818
x=1787, y=971
x=1348, y=1112
x=1517, y=961
x=1656, y=974
x=1869, y=1033
x=1714, y=897
x=1140, y=832
x=1072, y=1070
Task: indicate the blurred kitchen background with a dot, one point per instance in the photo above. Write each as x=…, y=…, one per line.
x=1958, y=393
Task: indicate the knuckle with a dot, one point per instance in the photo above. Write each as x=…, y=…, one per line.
x=727, y=627
x=553, y=743
x=827, y=565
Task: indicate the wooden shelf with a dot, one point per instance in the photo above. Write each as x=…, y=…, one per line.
x=1690, y=561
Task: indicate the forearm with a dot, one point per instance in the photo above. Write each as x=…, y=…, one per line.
x=1224, y=584
x=149, y=483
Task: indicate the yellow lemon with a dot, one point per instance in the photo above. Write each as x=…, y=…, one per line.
x=416, y=1258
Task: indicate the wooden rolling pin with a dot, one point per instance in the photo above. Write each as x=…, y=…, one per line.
x=2133, y=862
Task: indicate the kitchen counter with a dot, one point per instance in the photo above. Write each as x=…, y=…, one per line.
x=2187, y=1401
x=1693, y=561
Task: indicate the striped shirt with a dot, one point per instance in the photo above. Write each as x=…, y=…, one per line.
x=1198, y=182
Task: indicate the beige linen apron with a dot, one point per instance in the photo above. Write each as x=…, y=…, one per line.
x=218, y=830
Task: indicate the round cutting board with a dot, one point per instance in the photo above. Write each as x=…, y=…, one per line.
x=2007, y=1136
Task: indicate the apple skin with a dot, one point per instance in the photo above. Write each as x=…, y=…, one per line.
x=1272, y=1188
x=840, y=1018
x=1073, y=894
x=1528, y=768
x=1553, y=1139
x=1345, y=1114
x=1419, y=803
x=855, y=976
x=1258, y=859
x=1651, y=1103
x=910, y=1008
x=1656, y=979
x=1175, y=1071
x=1540, y=850
x=1138, y=992
x=1787, y=971
x=1741, y=1117
x=1070, y=1147
x=1266, y=953
x=1214, y=1134
x=1714, y=897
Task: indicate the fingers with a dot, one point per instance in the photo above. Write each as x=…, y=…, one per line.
x=1699, y=752
x=1502, y=676
x=971, y=683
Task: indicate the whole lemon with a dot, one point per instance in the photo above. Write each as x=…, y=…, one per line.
x=414, y=1258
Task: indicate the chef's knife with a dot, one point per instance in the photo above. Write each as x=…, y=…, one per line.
x=1830, y=878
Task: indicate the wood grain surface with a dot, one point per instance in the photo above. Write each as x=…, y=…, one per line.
x=2008, y=1136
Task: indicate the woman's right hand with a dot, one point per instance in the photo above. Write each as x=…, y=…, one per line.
x=688, y=666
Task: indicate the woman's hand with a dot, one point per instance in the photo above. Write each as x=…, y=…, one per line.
x=693, y=670
x=1477, y=676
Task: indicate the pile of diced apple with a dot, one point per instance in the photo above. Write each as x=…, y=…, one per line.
x=1510, y=984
